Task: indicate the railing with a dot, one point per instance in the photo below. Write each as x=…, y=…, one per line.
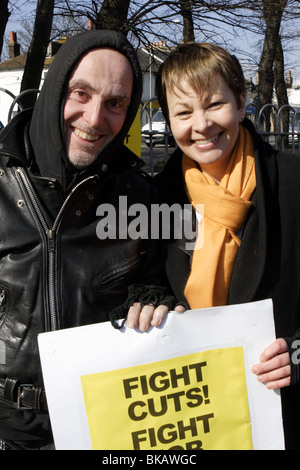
x=280, y=127
x=16, y=100
x=150, y=135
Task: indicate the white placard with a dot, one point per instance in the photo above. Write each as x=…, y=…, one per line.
x=66, y=355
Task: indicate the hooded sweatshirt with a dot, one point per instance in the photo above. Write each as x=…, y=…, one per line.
x=46, y=129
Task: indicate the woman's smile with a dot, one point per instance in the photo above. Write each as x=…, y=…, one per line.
x=206, y=127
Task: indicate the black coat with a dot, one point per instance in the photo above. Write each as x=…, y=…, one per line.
x=268, y=261
x=55, y=271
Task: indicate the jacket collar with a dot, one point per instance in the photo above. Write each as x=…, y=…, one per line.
x=250, y=264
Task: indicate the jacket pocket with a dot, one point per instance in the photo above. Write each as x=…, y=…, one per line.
x=118, y=273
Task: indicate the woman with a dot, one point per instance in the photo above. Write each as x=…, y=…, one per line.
x=251, y=198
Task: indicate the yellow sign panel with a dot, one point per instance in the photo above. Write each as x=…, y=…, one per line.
x=133, y=138
x=197, y=401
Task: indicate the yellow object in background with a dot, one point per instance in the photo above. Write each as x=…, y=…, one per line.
x=133, y=138
x=197, y=401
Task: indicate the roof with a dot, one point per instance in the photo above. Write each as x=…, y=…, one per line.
x=19, y=62
x=14, y=63
x=154, y=54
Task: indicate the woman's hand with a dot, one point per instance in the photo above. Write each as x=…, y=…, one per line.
x=274, y=368
x=147, y=316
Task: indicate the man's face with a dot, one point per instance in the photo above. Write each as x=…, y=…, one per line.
x=99, y=93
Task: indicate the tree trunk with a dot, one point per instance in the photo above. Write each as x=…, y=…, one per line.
x=188, y=23
x=4, y=15
x=37, y=50
x=272, y=12
x=113, y=15
x=281, y=91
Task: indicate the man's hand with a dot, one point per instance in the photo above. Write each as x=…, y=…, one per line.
x=274, y=369
x=147, y=316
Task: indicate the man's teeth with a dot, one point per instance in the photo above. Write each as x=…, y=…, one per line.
x=86, y=136
x=207, y=141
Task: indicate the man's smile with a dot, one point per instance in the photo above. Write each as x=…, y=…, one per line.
x=85, y=135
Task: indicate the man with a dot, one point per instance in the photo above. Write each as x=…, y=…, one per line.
x=58, y=164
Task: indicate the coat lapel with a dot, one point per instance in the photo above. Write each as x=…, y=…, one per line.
x=251, y=261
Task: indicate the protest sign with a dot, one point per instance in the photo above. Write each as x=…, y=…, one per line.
x=184, y=386
x=173, y=405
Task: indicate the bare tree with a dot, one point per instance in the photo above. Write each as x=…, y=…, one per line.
x=113, y=15
x=280, y=88
x=144, y=19
x=4, y=16
x=149, y=20
x=188, y=23
x=272, y=14
x=37, y=50
x=105, y=14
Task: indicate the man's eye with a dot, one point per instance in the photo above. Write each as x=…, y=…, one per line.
x=115, y=104
x=118, y=106
x=78, y=95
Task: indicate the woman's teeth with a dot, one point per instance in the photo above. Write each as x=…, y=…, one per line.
x=206, y=141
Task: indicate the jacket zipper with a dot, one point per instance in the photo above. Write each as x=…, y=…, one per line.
x=50, y=235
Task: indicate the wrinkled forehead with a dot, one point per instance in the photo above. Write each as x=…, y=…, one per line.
x=103, y=71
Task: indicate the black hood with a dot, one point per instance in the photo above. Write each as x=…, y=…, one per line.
x=46, y=129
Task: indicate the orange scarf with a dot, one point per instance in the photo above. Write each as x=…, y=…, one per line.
x=226, y=206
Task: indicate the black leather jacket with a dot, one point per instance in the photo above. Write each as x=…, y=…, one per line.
x=54, y=270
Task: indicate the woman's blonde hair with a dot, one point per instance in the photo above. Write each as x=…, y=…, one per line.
x=198, y=64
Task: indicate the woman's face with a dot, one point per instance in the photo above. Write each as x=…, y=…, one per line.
x=206, y=127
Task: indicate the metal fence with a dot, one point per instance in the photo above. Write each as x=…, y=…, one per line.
x=16, y=104
x=278, y=126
